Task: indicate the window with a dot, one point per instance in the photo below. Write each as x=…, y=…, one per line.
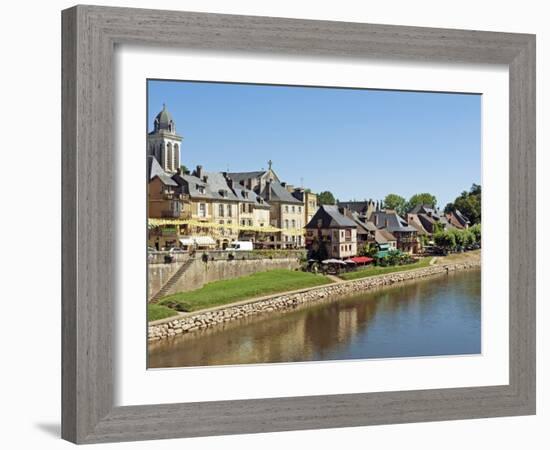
x=243, y=208
x=229, y=211
x=293, y=224
x=286, y=223
x=200, y=189
x=293, y=209
x=220, y=210
x=250, y=208
x=299, y=209
x=286, y=208
x=202, y=209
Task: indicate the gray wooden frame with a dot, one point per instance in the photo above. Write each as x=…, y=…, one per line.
x=90, y=34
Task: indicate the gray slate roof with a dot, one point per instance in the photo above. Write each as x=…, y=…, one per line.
x=359, y=207
x=242, y=176
x=247, y=196
x=391, y=221
x=155, y=170
x=190, y=185
x=330, y=217
x=278, y=194
x=218, y=187
x=164, y=117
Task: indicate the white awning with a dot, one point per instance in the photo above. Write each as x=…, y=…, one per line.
x=197, y=240
x=204, y=240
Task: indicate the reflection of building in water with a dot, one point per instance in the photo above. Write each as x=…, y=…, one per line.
x=347, y=324
x=425, y=317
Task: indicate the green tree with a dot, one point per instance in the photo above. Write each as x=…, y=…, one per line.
x=421, y=199
x=445, y=239
x=469, y=204
x=326, y=198
x=476, y=231
x=368, y=250
x=395, y=202
x=184, y=169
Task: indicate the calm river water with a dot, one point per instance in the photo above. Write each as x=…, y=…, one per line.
x=440, y=315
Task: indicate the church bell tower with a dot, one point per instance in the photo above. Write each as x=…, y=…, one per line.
x=163, y=143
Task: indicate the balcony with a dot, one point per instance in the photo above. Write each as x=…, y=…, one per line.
x=408, y=240
x=175, y=214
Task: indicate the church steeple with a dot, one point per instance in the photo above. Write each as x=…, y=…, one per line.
x=163, y=143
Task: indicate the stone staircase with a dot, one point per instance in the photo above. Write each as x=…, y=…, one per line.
x=171, y=281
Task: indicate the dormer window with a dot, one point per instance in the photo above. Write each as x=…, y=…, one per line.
x=200, y=189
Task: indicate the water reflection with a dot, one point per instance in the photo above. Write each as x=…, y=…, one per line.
x=437, y=316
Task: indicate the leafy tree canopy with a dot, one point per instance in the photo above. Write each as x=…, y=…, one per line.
x=424, y=198
x=326, y=198
x=469, y=204
x=395, y=202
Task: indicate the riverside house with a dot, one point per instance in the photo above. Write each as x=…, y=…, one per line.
x=406, y=235
x=330, y=233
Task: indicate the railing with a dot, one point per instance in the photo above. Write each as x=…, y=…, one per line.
x=408, y=240
x=159, y=257
x=172, y=214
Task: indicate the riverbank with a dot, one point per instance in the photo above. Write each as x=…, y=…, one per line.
x=186, y=323
x=223, y=292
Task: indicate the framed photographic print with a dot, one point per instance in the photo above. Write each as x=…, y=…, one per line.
x=268, y=222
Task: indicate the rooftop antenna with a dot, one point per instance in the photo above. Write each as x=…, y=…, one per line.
x=302, y=182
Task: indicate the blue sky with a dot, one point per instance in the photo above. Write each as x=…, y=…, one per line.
x=356, y=143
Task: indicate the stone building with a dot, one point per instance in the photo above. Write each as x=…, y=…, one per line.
x=407, y=235
x=458, y=220
x=286, y=211
x=164, y=201
x=163, y=143
x=331, y=234
x=254, y=212
x=309, y=199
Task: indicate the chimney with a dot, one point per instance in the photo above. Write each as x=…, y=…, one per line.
x=199, y=172
x=205, y=178
x=268, y=189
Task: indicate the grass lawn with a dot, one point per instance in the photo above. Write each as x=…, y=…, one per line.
x=157, y=312
x=376, y=270
x=242, y=288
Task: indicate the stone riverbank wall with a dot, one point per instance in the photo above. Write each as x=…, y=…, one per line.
x=200, y=272
x=187, y=323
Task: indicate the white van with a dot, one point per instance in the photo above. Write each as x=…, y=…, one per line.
x=241, y=246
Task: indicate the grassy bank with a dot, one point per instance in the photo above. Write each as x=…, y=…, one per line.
x=157, y=312
x=228, y=291
x=377, y=270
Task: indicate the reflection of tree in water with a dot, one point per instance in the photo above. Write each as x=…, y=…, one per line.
x=324, y=330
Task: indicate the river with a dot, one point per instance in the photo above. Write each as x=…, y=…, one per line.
x=439, y=315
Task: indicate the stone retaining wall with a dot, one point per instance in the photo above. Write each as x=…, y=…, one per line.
x=200, y=320
x=200, y=272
